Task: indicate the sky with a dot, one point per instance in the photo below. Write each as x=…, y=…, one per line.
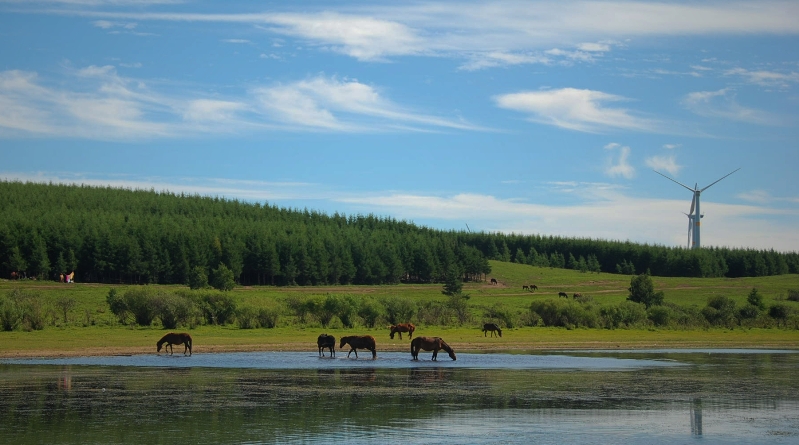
x=527, y=117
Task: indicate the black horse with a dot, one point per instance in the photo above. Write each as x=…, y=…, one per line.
x=326, y=342
x=493, y=328
x=359, y=342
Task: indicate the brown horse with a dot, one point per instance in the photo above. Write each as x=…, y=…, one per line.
x=430, y=344
x=577, y=296
x=494, y=281
x=359, y=342
x=402, y=327
x=493, y=328
x=326, y=342
x=175, y=339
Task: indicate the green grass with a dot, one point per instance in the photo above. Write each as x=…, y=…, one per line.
x=93, y=329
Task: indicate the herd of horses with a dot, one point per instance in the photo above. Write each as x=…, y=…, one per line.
x=355, y=342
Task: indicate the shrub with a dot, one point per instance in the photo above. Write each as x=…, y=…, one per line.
x=29, y=308
x=246, y=317
x=565, y=313
x=118, y=306
x=197, y=278
x=793, y=295
x=398, y=310
x=10, y=314
x=625, y=314
x=267, y=317
x=369, y=311
x=215, y=307
x=720, y=311
x=660, y=315
x=501, y=313
x=173, y=310
x=222, y=278
x=642, y=290
x=755, y=299
x=779, y=312
x=458, y=304
x=434, y=312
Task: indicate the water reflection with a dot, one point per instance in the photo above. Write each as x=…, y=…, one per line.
x=731, y=398
x=696, y=417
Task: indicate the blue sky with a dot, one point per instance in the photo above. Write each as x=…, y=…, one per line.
x=526, y=117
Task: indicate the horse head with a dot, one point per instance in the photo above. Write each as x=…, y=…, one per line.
x=449, y=350
x=343, y=342
x=159, y=345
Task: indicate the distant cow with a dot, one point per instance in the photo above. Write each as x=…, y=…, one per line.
x=493, y=328
x=494, y=281
x=326, y=342
x=577, y=296
x=563, y=294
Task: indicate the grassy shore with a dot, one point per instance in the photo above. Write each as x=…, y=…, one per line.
x=90, y=328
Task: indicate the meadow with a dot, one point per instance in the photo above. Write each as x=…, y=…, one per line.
x=90, y=328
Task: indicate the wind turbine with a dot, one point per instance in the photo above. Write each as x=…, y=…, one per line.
x=694, y=219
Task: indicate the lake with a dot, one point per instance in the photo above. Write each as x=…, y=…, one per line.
x=569, y=397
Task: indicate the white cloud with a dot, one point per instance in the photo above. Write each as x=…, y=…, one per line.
x=495, y=58
x=671, y=146
x=343, y=105
x=452, y=29
x=236, y=41
x=101, y=104
x=575, y=109
x=722, y=104
x=766, y=78
x=621, y=166
x=664, y=163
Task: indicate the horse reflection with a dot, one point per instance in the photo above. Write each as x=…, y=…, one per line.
x=434, y=344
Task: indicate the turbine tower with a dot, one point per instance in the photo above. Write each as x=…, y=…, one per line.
x=694, y=219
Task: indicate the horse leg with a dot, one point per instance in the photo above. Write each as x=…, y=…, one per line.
x=435, y=354
x=374, y=353
x=400, y=333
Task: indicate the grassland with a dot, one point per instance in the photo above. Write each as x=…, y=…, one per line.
x=91, y=329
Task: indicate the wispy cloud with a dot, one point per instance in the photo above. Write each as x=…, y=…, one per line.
x=343, y=105
x=723, y=104
x=575, y=109
x=101, y=104
x=619, y=165
x=664, y=163
x=452, y=29
x=766, y=78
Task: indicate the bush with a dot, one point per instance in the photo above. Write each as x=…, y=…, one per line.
x=399, y=310
x=222, y=278
x=434, y=313
x=720, y=311
x=10, y=314
x=198, y=279
x=458, y=304
x=498, y=312
x=793, y=295
x=642, y=290
x=174, y=310
x=779, y=312
x=267, y=317
x=216, y=307
x=369, y=311
x=26, y=310
x=626, y=314
x=755, y=299
x=249, y=317
x=565, y=313
x=660, y=316
x=139, y=302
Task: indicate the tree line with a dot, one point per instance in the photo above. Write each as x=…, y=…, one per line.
x=113, y=235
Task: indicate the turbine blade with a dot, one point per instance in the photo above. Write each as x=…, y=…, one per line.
x=672, y=180
x=693, y=204
x=728, y=174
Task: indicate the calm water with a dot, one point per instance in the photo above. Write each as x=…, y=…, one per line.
x=579, y=397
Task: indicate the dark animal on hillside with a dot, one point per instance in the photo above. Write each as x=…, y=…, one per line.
x=493, y=328
x=525, y=287
x=326, y=342
x=577, y=296
x=175, y=339
x=430, y=344
x=494, y=281
x=14, y=275
x=359, y=342
x=402, y=327
x=533, y=287
x=563, y=294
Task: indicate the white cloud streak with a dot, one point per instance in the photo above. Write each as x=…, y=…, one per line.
x=103, y=105
x=664, y=163
x=575, y=109
x=765, y=78
x=377, y=33
x=621, y=166
x=722, y=104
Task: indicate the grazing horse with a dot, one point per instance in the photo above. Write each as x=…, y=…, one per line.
x=563, y=294
x=533, y=288
x=525, y=287
x=493, y=328
x=402, y=327
x=359, y=342
x=175, y=339
x=494, y=281
x=326, y=341
x=430, y=344
x=577, y=296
